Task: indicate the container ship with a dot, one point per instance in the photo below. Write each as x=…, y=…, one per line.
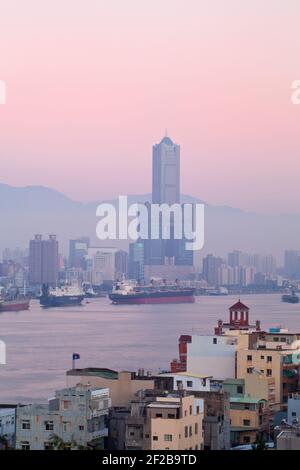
x=62, y=297
x=129, y=293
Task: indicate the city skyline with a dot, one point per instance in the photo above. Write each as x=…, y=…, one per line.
x=84, y=122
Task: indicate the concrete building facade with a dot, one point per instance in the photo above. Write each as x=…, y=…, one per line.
x=76, y=415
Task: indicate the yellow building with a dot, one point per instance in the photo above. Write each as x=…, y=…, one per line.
x=274, y=355
x=123, y=386
x=248, y=417
x=172, y=422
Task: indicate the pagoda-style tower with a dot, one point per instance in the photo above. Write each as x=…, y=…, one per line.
x=238, y=319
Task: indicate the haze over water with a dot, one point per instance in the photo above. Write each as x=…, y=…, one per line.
x=40, y=342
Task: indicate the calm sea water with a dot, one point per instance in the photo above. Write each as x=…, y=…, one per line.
x=40, y=342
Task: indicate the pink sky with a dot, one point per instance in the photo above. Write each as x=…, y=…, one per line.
x=92, y=85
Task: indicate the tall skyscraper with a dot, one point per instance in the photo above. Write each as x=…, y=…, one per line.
x=43, y=260
x=166, y=257
x=166, y=172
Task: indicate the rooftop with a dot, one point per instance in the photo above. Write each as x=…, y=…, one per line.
x=186, y=374
x=239, y=306
x=95, y=372
x=245, y=399
x=167, y=141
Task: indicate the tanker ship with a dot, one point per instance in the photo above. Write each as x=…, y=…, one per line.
x=127, y=292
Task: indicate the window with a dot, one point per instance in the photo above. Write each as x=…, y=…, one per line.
x=49, y=426
x=179, y=383
x=249, y=358
x=215, y=341
x=269, y=358
x=155, y=438
x=262, y=357
x=25, y=445
x=191, y=410
x=269, y=372
x=240, y=389
x=65, y=427
x=168, y=437
x=198, y=410
x=275, y=339
x=249, y=370
x=25, y=424
x=246, y=422
x=171, y=416
x=158, y=415
x=189, y=383
x=186, y=431
x=81, y=427
x=294, y=413
x=190, y=431
x=196, y=428
x=283, y=340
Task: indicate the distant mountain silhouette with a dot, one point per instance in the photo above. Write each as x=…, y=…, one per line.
x=28, y=210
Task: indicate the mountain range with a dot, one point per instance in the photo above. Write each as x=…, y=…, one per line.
x=28, y=210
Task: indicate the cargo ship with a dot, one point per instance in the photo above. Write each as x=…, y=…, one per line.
x=126, y=292
x=219, y=291
x=14, y=305
x=291, y=298
x=61, y=297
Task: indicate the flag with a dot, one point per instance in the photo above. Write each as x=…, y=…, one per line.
x=76, y=356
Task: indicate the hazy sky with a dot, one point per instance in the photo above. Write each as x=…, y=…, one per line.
x=93, y=84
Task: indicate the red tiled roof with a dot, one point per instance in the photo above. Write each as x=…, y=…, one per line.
x=239, y=306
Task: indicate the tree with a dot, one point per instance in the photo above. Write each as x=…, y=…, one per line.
x=259, y=443
x=57, y=443
x=4, y=442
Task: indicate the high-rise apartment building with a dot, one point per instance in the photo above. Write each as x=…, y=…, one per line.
x=292, y=264
x=78, y=249
x=43, y=260
x=121, y=264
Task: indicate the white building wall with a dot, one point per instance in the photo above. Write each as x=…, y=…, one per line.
x=212, y=356
x=293, y=408
x=190, y=382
